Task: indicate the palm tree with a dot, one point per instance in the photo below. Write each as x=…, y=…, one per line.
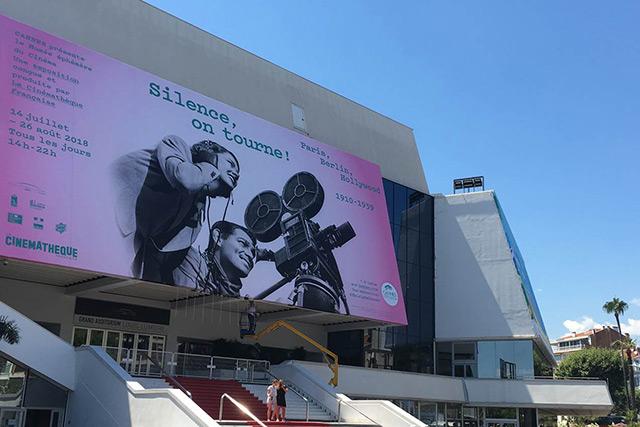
x=628, y=345
x=624, y=343
x=9, y=331
x=617, y=307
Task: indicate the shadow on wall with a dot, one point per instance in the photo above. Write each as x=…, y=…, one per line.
x=100, y=398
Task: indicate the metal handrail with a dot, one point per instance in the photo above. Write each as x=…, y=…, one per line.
x=568, y=347
x=306, y=401
x=129, y=359
x=241, y=407
x=171, y=379
x=542, y=377
x=266, y=362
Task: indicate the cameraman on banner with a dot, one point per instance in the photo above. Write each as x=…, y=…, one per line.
x=162, y=195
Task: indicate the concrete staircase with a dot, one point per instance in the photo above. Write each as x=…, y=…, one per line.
x=292, y=424
x=206, y=394
x=276, y=423
x=296, y=406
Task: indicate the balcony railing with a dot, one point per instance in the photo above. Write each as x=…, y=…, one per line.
x=136, y=362
x=557, y=348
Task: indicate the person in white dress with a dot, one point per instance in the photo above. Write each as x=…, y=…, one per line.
x=271, y=399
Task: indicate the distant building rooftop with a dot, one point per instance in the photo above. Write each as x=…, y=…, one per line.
x=601, y=337
x=573, y=335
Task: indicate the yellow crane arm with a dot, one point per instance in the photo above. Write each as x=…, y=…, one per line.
x=330, y=357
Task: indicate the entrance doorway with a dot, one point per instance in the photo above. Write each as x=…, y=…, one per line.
x=25, y=417
x=502, y=417
x=11, y=417
x=43, y=418
x=129, y=349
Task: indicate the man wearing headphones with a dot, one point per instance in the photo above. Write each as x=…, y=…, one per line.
x=162, y=195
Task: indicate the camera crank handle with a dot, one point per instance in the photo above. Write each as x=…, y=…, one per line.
x=343, y=297
x=280, y=283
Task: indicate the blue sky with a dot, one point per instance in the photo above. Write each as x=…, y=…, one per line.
x=542, y=98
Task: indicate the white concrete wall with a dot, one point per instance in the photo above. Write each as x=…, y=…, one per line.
x=567, y=397
x=145, y=37
x=40, y=350
x=477, y=288
x=381, y=412
x=385, y=384
x=106, y=396
x=305, y=377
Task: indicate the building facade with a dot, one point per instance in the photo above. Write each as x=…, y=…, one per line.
x=464, y=357
x=603, y=337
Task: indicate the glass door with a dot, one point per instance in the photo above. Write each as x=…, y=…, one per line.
x=157, y=353
x=96, y=337
x=128, y=349
x=80, y=336
x=126, y=356
x=112, y=345
x=142, y=364
x=56, y=418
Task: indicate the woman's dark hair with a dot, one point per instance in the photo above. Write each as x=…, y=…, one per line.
x=207, y=151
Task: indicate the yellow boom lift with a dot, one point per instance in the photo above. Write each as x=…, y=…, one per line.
x=330, y=357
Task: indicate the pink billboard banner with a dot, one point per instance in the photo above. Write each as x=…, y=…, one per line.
x=111, y=169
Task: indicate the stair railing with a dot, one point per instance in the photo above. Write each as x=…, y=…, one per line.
x=240, y=406
x=169, y=378
x=290, y=387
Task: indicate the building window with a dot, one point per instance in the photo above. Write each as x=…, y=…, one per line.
x=444, y=359
x=428, y=413
x=27, y=398
x=491, y=354
x=501, y=413
x=457, y=359
x=405, y=348
x=507, y=370
x=454, y=415
x=464, y=360
x=470, y=416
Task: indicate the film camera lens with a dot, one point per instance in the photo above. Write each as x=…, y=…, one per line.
x=307, y=255
x=334, y=237
x=262, y=216
x=303, y=192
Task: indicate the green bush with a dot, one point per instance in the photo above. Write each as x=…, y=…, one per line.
x=603, y=363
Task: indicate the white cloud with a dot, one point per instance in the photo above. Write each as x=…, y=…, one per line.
x=636, y=301
x=631, y=327
x=581, y=325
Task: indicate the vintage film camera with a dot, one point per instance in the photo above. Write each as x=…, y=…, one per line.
x=307, y=256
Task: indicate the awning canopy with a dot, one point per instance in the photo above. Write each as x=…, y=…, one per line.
x=85, y=283
x=553, y=396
